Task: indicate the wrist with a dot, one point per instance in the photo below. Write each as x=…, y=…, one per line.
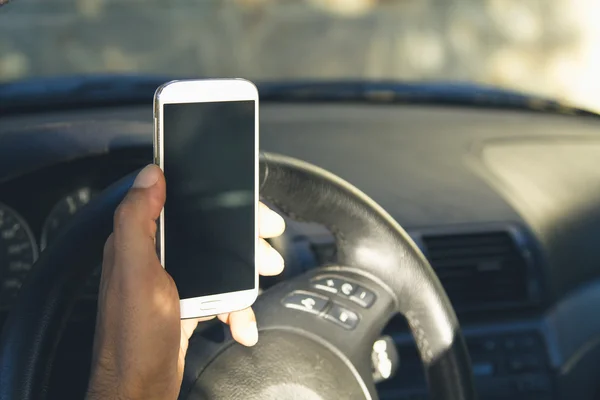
x=105, y=386
x=104, y=392
x=100, y=391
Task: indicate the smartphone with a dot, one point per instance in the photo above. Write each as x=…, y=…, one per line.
x=206, y=143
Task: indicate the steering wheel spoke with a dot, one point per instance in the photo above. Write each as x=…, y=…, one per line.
x=337, y=305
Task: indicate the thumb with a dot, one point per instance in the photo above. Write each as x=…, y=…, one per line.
x=135, y=218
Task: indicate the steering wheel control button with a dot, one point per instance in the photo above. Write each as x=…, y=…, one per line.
x=347, y=288
x=335, y=285
x=342, y=316
x=363, y=297
x=308, y=302
x=331, y=285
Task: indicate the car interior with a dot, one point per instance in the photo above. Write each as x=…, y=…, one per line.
x=459, y=223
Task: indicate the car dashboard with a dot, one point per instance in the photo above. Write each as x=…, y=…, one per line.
x=505, y=204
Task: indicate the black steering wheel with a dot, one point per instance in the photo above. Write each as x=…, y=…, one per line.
x=316, y=330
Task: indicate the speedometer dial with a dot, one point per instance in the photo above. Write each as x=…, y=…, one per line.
x=60, y=216
x=62, y=213
x=18, y=252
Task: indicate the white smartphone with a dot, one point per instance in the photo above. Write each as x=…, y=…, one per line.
x=206, y=143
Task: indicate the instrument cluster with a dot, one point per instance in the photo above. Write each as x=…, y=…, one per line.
x=20, y=248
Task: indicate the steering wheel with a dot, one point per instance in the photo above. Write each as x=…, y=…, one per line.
x=316, y=330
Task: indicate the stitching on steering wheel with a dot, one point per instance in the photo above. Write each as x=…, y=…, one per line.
x=420, y=337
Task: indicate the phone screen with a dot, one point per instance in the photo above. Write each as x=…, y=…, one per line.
x=209, y=161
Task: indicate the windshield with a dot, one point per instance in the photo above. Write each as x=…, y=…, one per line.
x=543, y=47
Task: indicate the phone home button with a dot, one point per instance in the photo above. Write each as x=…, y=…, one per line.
x=210, y=304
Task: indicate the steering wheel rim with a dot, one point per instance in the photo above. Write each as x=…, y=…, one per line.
x=371, y=246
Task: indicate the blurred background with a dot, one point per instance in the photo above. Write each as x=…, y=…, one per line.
x=543, y=47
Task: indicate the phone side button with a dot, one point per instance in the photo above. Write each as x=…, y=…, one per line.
x=305, y=301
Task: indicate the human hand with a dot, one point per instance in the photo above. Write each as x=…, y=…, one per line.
x=140, y=341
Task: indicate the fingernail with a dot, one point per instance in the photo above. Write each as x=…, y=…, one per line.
x=147, y=177
x=251, y=334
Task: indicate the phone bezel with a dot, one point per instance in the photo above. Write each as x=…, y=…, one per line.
x=207, y=91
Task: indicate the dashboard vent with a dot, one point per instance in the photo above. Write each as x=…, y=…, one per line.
x=480, y=270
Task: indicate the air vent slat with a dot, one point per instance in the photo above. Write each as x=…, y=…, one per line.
x=479, y=270
x=452, y=252
x=483, y=262
x=471, y=240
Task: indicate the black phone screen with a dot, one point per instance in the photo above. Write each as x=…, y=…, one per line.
x=209, y=161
